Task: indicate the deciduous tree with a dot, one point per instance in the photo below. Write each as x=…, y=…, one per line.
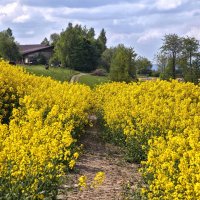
x=172, y=46
x=123, y=64
x=143, y=65
x=77, y=48
x=189, y=52
x=8, y=46
x=54, y=37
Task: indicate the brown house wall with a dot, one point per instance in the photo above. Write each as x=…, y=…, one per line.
x=47, y=53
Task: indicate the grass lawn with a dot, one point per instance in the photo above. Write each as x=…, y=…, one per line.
x=57, y=73
x=93, y=80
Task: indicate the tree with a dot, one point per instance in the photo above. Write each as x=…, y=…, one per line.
x=189, y=52
x=143, y=65
x=45, y=41
x=161, y=60
x=163, y=65
x=84, y=56
x=9, y=33
x=54, y=37
x=8, y=47
x=101, y=41
x=76, y=48
x=91, y=33
x=196, y=68
x=172, y=47
x=123, y=64
x=106, y=58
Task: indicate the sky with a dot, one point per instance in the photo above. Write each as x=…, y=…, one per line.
x=140, y=24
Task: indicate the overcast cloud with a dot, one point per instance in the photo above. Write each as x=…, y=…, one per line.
x=137, y=23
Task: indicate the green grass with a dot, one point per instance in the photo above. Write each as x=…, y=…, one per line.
x=57, y=73
x=91, y=80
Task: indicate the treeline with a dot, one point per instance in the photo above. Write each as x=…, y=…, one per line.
x=79, y=48
x=179, y=57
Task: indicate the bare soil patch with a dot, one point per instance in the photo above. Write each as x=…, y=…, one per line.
x=76, y=77
x=100, y=156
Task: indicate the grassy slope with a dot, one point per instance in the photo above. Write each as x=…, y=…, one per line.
x=63, y=74
x=93, y=80
x=59, y=74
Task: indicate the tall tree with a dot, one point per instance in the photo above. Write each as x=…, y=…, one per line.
x=161, y=61
x=143, y=65
x=196, y=68
x=9, y=33
x=164, y=65
x=101, y=41
x=123, y=64
x=172, y=46
x=54, y=37
x=106, y=58
x=8, y=47
x=45, y=41
x=189, y=51
x=76, y=48
x=91, y=33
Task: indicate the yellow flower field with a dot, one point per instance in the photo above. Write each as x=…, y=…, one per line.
x=160, y=124
x=157, y=122
x=40, y=121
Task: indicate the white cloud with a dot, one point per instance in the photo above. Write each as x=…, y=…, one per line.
x=168, y=4
x=9, y=9
x=149, y=35
x=194, y=32
x=12, y=12
x=22, y=18
x=138, y=23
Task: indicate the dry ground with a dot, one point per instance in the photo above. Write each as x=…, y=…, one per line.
x=100, y=156
x=76, y=77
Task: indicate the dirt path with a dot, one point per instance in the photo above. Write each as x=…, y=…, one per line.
x=76, y=77
x=99, y=156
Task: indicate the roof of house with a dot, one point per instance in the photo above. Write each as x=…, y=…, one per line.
x=26, y=49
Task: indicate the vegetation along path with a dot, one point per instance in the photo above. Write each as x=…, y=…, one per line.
x=100, y=156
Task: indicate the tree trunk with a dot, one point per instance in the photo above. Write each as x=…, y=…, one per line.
x=191, y=76
x=174, y=66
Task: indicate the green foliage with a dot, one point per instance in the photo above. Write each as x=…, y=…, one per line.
x=179, y=58
x=45, y=41
x=123, y=64
x=134, y=151
x=155, y=73
x=54, y=37
x=187, y=60
x=172, y=46
x=77, y=48
x=106, y=58
x=192, y=73
x=54, y=61
x=196, y=68
x=41, y=59
x=101, y=41
x=8, y=47
x=143, y=65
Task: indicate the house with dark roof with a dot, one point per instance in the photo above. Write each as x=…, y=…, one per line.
x=30, y=53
